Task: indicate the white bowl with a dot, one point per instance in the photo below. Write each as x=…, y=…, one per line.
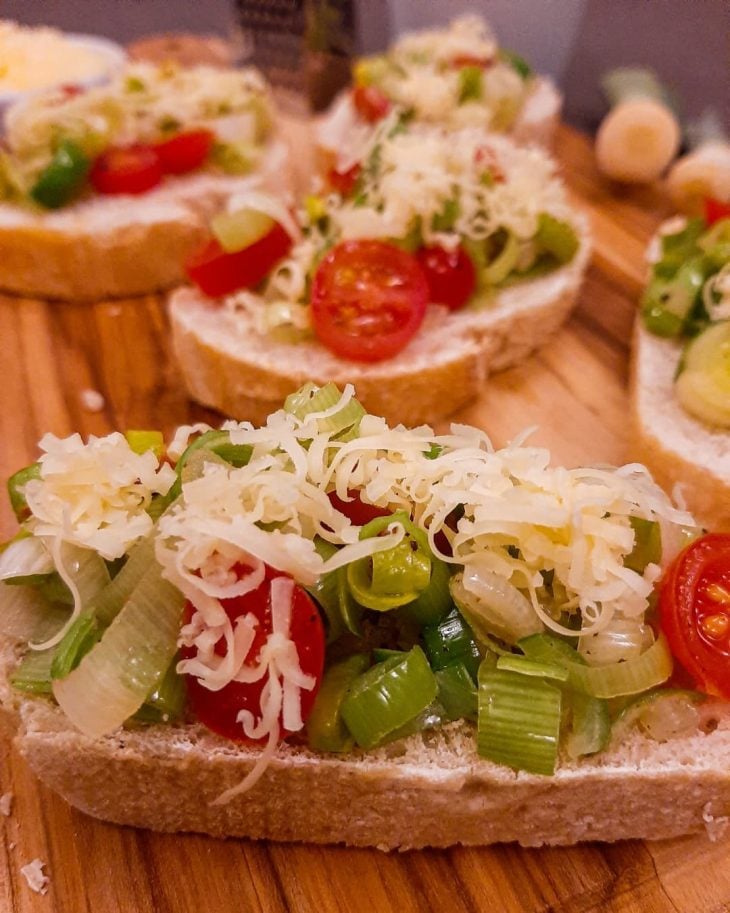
x=113, y=58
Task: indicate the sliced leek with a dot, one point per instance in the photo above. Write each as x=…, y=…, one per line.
x=114, y=679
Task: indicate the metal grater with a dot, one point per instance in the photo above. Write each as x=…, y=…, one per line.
x=303, y=47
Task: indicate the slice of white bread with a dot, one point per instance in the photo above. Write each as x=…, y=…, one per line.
x=677, y=448
x=228, y=365
x=429, y=790
x=120, y=246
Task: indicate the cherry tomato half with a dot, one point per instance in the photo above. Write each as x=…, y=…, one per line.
x=357, y=511
x=217, y=273
x=470, y=60
x=218, y=709
x=368, y=300
x=716, y=210
x=343, y=182
x=450, y=275
x=185, y=151
x=370, y=103
x=694, y=605
x=126, y=169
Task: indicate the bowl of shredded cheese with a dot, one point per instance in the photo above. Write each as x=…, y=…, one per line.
x=34, y=59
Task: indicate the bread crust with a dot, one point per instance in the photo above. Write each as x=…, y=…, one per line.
x=230, y=367
x=119, y=246
x=425, y=791
x=678, y=449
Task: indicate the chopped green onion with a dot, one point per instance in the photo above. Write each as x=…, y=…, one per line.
x=517, y=62
x=647, y=544
x=513, y=663
x=519, y=721
x=62, y=177
x=388, y=696
x=590, y=725
x=33, y=673
x=16, y=483
x=142, y=441
x=493, y=606
x=662, y=714
x=166, y=703
x=457, y=691
x=633, y=676
x=435, y=601
x=446, y=219
x=470, y=84
x=395, y=577
x=505, y=261
x=326, y=730
x=310, y=398
x=557, y=237
x=450, y=640
x=83, y=634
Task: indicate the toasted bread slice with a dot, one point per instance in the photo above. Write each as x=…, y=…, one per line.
x=119, y=246
x=228, y=365
x=429, y=790
x=677, y=448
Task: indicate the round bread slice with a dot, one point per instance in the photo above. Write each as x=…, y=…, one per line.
x=228, y=365
x=120, y=246
x=677, y=448
x=428, y=790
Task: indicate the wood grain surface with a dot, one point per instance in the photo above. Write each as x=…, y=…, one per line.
x=574, y=391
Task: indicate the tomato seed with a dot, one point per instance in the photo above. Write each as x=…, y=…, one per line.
x=716, y=626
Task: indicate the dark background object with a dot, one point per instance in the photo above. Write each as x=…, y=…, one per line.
x=686, y=41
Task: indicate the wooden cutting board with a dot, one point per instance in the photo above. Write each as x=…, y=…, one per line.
x=573, y=391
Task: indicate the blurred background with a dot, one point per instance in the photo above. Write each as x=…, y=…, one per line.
x=686, y=41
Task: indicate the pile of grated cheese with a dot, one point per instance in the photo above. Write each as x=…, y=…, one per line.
x=423, y=76
x=95, y=494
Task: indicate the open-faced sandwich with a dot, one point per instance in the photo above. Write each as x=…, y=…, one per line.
x=437, y=258
x=454, y=77
x=104, y=190
x=328, y=629
x=681, y=364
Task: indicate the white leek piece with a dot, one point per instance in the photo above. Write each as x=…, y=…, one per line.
x=705, y=170
x=113, y=680
x=640, y=136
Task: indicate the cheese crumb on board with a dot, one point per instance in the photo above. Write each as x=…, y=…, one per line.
x=33, y=874
x=92, y=400
x=6, y=802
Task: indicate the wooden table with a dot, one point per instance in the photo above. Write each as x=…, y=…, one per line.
x=574, y=391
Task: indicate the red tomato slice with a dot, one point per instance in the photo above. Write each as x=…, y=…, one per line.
x=370, y=103
x=470, y=60
x=217, y=710
x=694, y=605
x=218, y=273
x=126, y=169
x=356, y=511
x=368, y=300
x=450, y=275
x=185, y=151
x=343, y=182
x=716, y=210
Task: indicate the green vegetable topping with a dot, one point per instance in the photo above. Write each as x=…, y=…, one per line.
x=63, y=177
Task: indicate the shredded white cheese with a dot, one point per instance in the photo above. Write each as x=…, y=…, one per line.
x=94, y=495
x=33, y=874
